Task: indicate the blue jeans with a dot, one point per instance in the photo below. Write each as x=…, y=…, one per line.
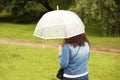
x=79, y=78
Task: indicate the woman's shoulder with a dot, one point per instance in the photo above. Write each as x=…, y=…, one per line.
x=86, y=44
x=67, y=46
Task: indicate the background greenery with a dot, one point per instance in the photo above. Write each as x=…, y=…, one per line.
x=105, y=14
x=18, y=20
x=32, y=62
x=24, y=32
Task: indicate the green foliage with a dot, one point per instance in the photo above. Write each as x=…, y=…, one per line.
x=109, y=11
x=63, y=4
x=24, y=11
x=3, y=4
x=105, y=13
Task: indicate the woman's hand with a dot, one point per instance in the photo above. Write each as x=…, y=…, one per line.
x=60, y=49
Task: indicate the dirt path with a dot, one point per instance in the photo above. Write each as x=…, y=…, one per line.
x=28, y=43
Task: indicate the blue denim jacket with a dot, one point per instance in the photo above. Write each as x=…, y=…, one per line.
x=79, y=64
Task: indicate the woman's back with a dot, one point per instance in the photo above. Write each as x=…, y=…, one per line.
x=79, y=64
x=77, y=68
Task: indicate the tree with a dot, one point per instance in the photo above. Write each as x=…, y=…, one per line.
x=45, y=4
x=104, y=13
x=23, y=10
x=109, y=12
x=28, y=10
x=3, y=4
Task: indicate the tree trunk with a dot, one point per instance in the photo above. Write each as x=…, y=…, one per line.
x=46, y=5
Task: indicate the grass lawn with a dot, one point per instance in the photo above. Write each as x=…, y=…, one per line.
x=27, y=63
x=25, y=32
x=36, y=63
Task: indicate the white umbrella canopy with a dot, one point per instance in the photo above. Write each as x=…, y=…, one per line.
x=59, y=24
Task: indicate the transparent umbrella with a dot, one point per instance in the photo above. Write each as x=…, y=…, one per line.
x=59, y=24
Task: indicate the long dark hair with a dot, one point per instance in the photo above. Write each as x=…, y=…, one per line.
x=77, y=40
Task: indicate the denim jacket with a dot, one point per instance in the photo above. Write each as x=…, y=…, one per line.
x=79, y=64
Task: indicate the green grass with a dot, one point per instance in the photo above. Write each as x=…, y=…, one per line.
x=27, y=63
x=104, y=41
x=17, y=31
x=36, y=63
x=25, y=32
x=104, y=66
x=20, y=32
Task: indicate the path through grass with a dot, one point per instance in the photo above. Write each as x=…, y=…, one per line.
x=25, y=32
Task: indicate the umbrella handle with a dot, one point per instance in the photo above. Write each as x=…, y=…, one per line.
x=57, y=7
x=43, y=45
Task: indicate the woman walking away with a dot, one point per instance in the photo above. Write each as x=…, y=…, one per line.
x=73, y=57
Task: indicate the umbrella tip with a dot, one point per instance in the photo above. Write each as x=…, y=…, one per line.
x=57, y=7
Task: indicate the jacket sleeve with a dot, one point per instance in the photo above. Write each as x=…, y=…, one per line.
x=64, y=57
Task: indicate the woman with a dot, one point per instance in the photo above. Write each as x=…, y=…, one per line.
x=77, y=68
